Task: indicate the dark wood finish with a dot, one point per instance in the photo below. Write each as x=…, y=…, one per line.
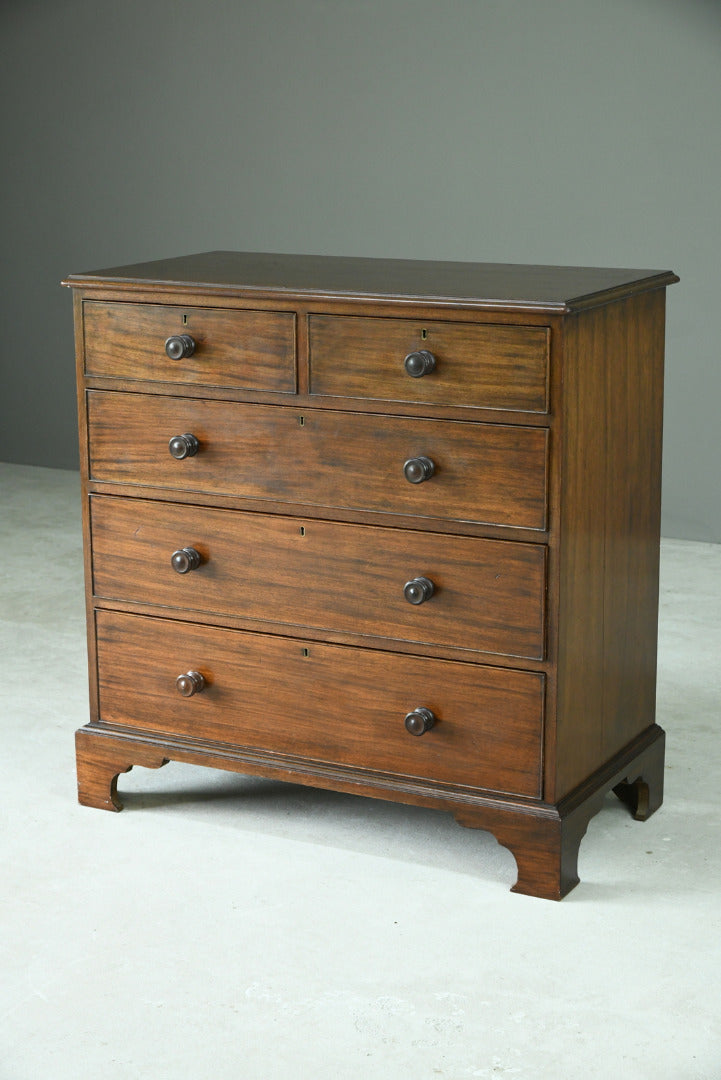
x=419, y=469
x=420, y=721
x=483, y=472
x=496, y=286
x=611, y=469
x=324, y=702
x=224, y=501
x=495, y=367
x=488, y=595
x=251, y=349
x=100, y=762
x=419, y=363
x=302, y=557
x=418, y=590
x=544, y=839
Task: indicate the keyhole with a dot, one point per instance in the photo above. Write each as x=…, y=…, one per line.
x=306, y=652
x=424, y=333
x=301, y=421
x=302, y=530
x=185, y=320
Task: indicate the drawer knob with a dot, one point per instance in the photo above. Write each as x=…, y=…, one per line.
x=192, y=682
x=184, y=560
x=418, y=590
x=179, y=345
x=418, y=469
x=183, y=446
x=419, y=721
x=420, y=363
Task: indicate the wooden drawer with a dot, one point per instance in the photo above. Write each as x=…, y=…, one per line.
x=487, y=366
x=488, y=595
x=253, y=350
x=324, y=702
x=487, y=473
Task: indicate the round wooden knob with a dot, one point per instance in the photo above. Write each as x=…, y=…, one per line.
x=192, y=682
x=418, y=469
x=420, y=363
x=419, y=721
x=184, y=560
x=179, y=345
x=418, y=590
x=183, y=446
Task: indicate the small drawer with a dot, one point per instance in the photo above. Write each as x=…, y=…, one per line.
x=228, y=347
x=486, y=596
x=326, y=703
x=471, y=365
x=437, y=469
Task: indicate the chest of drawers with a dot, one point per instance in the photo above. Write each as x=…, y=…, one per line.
x=379, y=526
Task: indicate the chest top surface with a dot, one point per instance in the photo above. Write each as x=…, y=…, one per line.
x=556, y=289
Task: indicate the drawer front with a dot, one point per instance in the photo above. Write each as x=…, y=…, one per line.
x=487, y=595
x=252, y=350
x=487, y=473
x=324, y=702
x=493, y=367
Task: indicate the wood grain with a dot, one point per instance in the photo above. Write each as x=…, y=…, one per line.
x=489, y=595
x=543, y=839
x=100, y=762
x=608, y=614
x=485, y=366
x=324, y=702
x=485, y=473
x=538, y=526
x=234, y=347
x=497, y=286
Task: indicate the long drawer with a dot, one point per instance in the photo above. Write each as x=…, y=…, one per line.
x=486, y=473
x=486, y=595
x=230, y=347
x=324, y=702
x=473, y=365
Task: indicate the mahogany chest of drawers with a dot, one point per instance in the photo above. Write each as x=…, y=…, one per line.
x=379, y=526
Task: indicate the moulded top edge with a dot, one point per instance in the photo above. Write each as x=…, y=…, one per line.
x=556, y=289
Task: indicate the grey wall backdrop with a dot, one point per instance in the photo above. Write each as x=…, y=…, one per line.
x=556, y=131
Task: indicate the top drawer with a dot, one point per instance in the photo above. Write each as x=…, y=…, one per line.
x=251, y=350
x=478, y=366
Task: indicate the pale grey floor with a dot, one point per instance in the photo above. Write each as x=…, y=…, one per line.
x=222, y=927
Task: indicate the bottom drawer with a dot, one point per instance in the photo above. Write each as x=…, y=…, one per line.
x=326, y=703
